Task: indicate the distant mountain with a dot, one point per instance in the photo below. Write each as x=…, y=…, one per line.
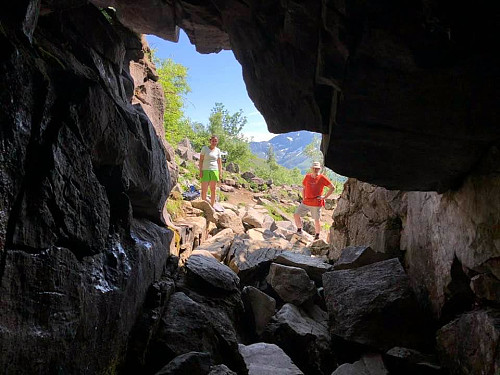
x=288, y=148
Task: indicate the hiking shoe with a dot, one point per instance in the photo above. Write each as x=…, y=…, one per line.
x=299, y=230
x=316, y=236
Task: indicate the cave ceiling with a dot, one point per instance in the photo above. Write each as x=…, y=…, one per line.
x=405, y=93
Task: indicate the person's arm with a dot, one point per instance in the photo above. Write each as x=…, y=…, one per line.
x=219, y=162
x=331, y=189
x=201, y=164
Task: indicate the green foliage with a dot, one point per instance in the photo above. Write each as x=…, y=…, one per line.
x=272, y=211
x=271, y=158
x=173, y=78
x=174, y=207
x=228, y=129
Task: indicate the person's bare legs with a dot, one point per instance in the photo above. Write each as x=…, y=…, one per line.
x=298, y=221
x=204, y=189
x=213, y=186
x=317, y=226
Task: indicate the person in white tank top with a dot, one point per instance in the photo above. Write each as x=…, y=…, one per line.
x=210, y=168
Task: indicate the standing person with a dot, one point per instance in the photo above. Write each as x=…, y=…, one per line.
x=210, y=168
x=313, y=198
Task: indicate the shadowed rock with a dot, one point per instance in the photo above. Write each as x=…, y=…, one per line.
x=211, y=272
x=259, y=306
x=370, y=364
x=304, y=339
x=358, y=256
x=188, y=363
x=478, y=354
x=291, y=283
x=314, y=267
x=374, y=305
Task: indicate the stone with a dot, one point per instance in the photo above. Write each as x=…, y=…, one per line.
x=205, y=206
x=320, y=248
x=408, y=361
x=188, y=326
x=262, y=358
x=221, y=370
x=261, y=234
x=226, y=188
x=228, y=219
x=232, y=167
x=314, y=267
x=291, y=283
x=486, y=287
x=188, y=363
x=360, y=302
x=259, y=306
x=248, y=176
x=305, y=340
x=251, y=259
x=367, y=215
x=450, y=236
x=219, y=244
x=212, y=272
x=370, y=364
x=358, y=256
x=469, y=344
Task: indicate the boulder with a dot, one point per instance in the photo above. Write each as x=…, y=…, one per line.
x=358, y=256
x=486, y=287
x=262, y=359
x=369, y=364
x=226, y=188
x=314, y=267
x=251, y=259
x=206, y=208
x=374, y=305
x=411, y=362
x=233, y=167
x=259, y=307
x=248, y=176
x=188, y=363
x=261, y=234
x=320, y=248
x=304, y=339
x=220, y=370
x=469, y=344
x=209, y=271
x=228, y=219
x=219, y=244
x=291, y=283
x=188, y=325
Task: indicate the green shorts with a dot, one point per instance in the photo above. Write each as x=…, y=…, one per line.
x=209, y=176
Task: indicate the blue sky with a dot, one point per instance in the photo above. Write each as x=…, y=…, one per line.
x=213, y=78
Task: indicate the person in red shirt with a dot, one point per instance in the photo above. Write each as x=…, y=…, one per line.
x=313, y=198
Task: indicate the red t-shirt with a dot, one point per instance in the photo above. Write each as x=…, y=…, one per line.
x=313, y=188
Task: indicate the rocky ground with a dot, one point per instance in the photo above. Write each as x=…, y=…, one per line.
x=246, y=294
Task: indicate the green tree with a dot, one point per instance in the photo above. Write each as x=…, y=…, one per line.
x=313, y=151
x=271, y=158
x=173, y=78
x=228, y=128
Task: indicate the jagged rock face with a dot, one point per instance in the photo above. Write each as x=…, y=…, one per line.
x=404, y=92
x=84, y=179
x=451, y=241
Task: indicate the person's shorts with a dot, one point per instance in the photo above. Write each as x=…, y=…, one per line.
x=302, y=210
x=209, y=176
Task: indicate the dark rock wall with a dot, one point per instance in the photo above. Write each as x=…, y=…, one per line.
x=84, y=179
